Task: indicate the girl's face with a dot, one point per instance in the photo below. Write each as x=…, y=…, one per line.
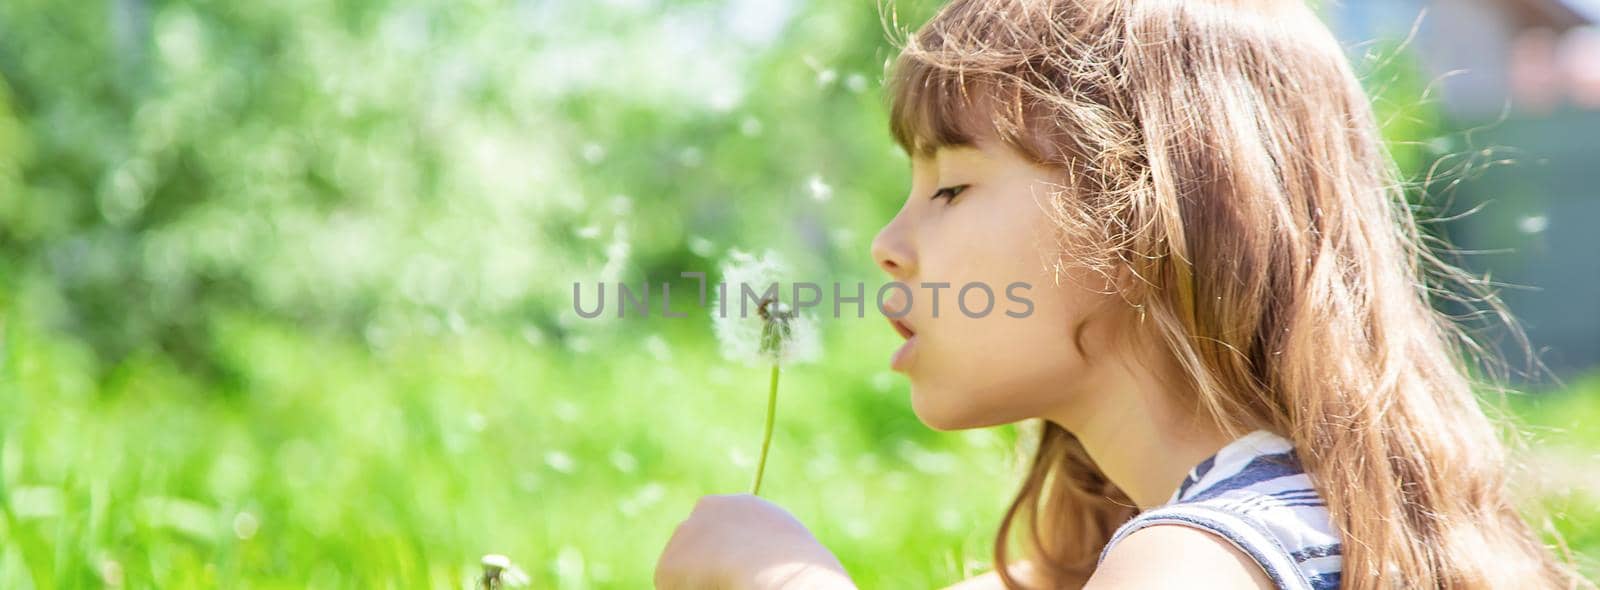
x=976, y=220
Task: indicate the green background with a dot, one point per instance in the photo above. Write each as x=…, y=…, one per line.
x=285, y=294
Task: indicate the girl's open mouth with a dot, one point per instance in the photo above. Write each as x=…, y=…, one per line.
x=903, y=328
x=903, y=355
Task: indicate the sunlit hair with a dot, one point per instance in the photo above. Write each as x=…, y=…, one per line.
x=1224, y=156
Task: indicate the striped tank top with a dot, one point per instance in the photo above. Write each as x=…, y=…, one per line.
x=1254, y=494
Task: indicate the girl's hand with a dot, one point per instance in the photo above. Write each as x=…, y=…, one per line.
x=739, y=541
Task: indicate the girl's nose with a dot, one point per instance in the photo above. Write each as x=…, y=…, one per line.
x=893, y=251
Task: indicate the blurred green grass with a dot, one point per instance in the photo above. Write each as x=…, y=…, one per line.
x=342, y=463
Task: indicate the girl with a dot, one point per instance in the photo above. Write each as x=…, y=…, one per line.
x=1240, y=380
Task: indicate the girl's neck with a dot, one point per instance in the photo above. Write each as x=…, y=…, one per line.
x=1133, y=428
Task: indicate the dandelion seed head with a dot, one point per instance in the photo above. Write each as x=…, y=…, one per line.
x=496, y=561
x=500, y=572
x=769, y=331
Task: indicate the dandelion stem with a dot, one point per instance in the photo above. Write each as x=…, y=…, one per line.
x=766, y=437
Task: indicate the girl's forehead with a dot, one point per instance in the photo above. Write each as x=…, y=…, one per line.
x=952, y=153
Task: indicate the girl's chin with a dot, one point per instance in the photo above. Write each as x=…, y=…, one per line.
x=937, y=414
x=947, y=410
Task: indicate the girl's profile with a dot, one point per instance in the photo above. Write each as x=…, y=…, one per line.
x=1233, y=364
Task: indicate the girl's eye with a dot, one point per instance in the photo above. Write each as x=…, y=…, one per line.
x=949, y=192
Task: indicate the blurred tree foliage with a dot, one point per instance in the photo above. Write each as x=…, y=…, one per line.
x=381, y=167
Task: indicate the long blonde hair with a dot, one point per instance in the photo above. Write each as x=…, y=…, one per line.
x=1224, y=153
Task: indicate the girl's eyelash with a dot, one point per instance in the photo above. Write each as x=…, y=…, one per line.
x=949, y=191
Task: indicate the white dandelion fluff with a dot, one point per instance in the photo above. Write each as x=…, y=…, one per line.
x=500, y=572
x=753, y=323
x=1533, y=224
x=818, y=188
x=857, y=83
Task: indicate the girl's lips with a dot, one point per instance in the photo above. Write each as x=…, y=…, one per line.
x=902, y=327
x=903, y=356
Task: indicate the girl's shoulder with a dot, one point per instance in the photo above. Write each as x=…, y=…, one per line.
x=1254, y=494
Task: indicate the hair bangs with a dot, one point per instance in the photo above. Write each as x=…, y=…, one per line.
x=933, y=106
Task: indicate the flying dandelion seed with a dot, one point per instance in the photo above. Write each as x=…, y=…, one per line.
x=560, y=461
x=857, y=528
x=624, y=461
x=691, y=157
x=533, y=335
x=739, y=458
x=777, y=334
x=566, y=411
x=751, y=126
x=245, y=525
x=950, y=520
x=701, y=247
x=819, y=189
x=857, y=83
x=1533, y=224
x=651, y=494
x=658, y=347
x=621, y=204
x=569, y=564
